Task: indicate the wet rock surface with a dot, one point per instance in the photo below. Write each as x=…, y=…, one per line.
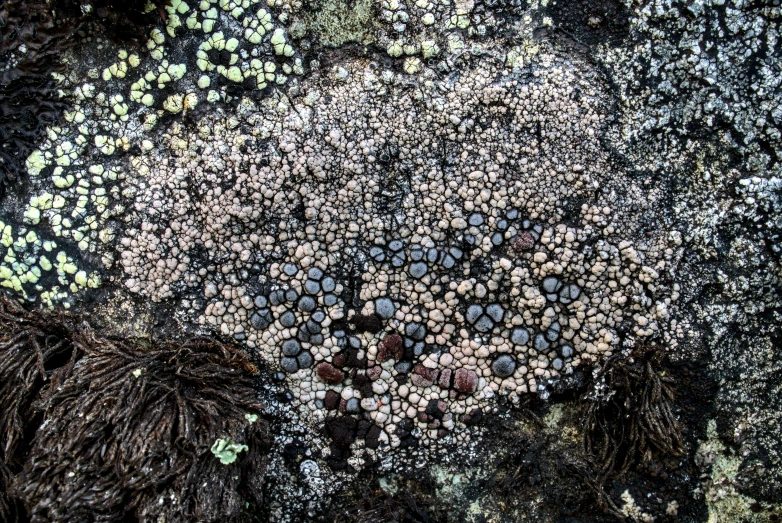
x=485, y=253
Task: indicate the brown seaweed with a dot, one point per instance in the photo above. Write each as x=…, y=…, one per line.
x=122, y=427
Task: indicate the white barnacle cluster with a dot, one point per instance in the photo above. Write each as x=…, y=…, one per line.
x=400, y=240
x=404, y=252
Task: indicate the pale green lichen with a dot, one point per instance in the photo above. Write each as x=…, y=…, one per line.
x=35, y=163
x=227, y=450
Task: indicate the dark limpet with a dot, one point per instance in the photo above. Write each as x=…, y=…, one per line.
x=307, y=304
x=415, y=331
x=503, y=366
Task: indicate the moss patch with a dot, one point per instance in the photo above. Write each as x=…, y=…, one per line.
x=338, y=22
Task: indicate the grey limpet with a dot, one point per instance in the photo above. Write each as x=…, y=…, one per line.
x=484, y=324
x=312, y=287
x=540, y=343
x=328, y=284
x=495, y=312
x=377, y=254
x=519, y=336
x=551, y=284
x=261, y=301
x=289, y=365
x=415, y=330
x=384, y=308
x=260, y=320
x=305, y=360
x=473, y=313
x=291, y=347
x=288, y=319
x=417, y=269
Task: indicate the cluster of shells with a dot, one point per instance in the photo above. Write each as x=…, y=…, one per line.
x=402, y=252
x=401, y=237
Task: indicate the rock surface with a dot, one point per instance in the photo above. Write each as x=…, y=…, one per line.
x=450, y=231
